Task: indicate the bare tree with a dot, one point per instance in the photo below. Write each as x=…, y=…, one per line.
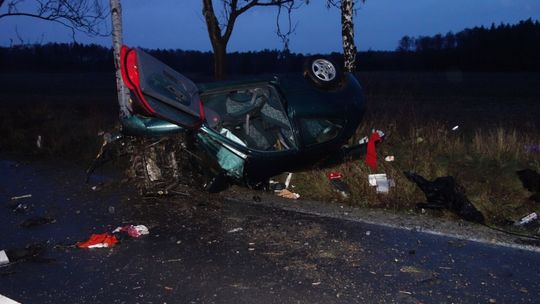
x=220, y=31
x=82, y=15
x=121, y=90
x=347, y=31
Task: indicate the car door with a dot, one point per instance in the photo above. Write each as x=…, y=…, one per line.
x=159, y=91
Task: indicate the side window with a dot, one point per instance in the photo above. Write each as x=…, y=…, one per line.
x=317, y=131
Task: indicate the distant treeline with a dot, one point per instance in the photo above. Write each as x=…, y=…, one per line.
x=498, y=48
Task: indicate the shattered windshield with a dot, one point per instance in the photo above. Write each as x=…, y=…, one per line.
x=251, y=116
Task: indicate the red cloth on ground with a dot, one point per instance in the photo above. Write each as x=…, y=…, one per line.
x=371, y=155
x=99, y=241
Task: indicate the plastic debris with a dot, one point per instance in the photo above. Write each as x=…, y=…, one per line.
x=103, y=240
x=21, y=197
x=39, y=142
x=389, y=158
x=455, y=128
x=238, y=229
x=527, y=219
x=288, y=180
x=3, y=258
x=339, y=185
x=531, y=181
x=133, y=231
x=20, y=208
x=6, y=300
x=381, y=182
x=445, y=192
x=287, y=194
x=37, y=221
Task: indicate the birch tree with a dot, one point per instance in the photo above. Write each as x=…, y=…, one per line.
x=347, y=32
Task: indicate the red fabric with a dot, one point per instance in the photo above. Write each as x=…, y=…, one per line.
x=99, y=240
x=371, y=155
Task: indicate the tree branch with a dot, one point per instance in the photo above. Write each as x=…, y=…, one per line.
x=84, y=15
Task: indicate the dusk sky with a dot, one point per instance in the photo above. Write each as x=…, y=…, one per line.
x=379, y=24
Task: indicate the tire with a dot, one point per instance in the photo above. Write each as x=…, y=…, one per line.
x=322, y=72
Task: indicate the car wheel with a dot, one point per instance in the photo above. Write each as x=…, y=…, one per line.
x=323, y=72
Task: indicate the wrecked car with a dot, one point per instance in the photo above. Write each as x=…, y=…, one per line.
x=247, y=131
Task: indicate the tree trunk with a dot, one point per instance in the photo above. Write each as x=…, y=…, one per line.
x=220, y=56
x=347, y=31
x=122, y=91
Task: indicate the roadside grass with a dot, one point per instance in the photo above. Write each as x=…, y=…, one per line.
x=497, y=118
x=483, y=162
x=416, y=111
x=65, y=132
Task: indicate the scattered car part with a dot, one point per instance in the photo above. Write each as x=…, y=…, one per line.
x=445, y=192
x=339, y=185
x=527, y=219
x=381, y=182
x=21, y=197
x=3, y=257
x=133, y=230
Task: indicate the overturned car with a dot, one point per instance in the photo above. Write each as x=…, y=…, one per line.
x=241, y=132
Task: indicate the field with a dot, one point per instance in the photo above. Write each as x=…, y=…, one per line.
x=497, y=114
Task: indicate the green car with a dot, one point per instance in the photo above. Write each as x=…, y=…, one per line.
x=245, y=132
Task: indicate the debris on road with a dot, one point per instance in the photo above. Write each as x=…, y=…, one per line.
x=276, y=186
x=531, y=181
x=133, y=231
x=29, y=252
x=446, y=193
x=389, y=158
x=39, y=142
x=455, y=128
x=287, y=194
x=19, y=208
x=3, y=258
x=528, y=219
x=381, y=182
x=103, y=240
x=281, y=189
x=235, y=230
x=37, y=221
x=14, y=198
x=288, y=180
x=339, y=185
x=6, y=300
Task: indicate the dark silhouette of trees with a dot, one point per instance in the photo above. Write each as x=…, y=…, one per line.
x=501, y=47
x=496, y=48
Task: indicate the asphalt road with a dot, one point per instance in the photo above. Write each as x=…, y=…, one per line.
x=206, y=249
